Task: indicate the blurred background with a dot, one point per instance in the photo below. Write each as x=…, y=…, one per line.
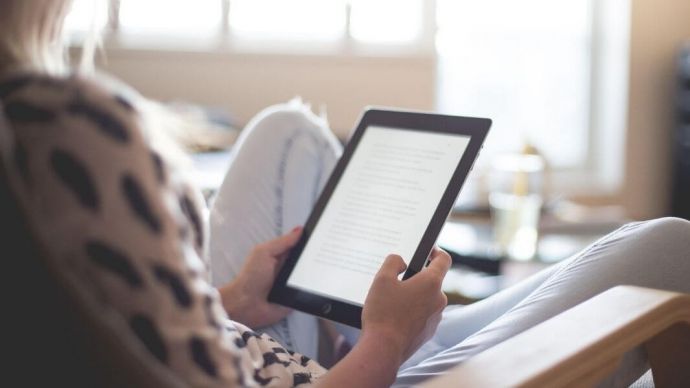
x=598, y=90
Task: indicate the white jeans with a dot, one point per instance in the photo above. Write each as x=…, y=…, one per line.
x=282, y=161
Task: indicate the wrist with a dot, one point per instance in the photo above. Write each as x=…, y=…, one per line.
x=234, y=300
x=384, y=348
x=388, y=337
x=372, y=363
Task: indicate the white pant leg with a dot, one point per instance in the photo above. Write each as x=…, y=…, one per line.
x=282, y=159
x=653, y=254
x=459, y=322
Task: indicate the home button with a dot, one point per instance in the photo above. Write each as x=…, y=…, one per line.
x=326, y=308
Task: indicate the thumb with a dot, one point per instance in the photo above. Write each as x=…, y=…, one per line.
x=440, y=261
x=282, y=244
x=392, y=266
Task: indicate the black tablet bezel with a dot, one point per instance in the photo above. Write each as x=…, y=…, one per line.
x=350, y=314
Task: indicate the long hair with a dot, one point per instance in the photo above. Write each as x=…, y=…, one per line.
x=32, y=36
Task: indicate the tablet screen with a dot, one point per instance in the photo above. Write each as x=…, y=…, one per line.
x=382, y=204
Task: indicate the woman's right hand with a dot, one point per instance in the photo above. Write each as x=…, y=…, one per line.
x=398, y=317
x=406, y=313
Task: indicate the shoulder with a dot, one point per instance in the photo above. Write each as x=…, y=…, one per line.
x=37, y=100
x=89, y=135
x=70, y=122
x=72, y=142
x=35, y=85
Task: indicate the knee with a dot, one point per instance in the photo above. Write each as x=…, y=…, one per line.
x=286, y=121
x=666, y=236
x=670, y=229
x=648, y=238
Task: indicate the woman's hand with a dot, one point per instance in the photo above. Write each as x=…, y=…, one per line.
x=406, y=313
x=246, y=297
x=398, y=317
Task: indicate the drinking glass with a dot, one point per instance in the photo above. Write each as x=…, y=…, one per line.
x=515, y=197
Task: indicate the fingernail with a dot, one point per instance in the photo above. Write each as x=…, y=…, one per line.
x=296, y=229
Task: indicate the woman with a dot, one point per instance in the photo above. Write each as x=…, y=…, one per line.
x=103, y=197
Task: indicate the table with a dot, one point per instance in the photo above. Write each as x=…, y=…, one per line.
x=478, y=272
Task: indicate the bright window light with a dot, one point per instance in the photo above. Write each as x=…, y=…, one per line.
x=282, y=19
x=386, y=21
x=170, y=17
x=525, y=64
x=85, y=16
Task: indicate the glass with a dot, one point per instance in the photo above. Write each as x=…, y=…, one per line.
x=526, y=64
x=170, y=17
x=85, y=16
x=515, y=197
x=386, y=21
x=282, y=19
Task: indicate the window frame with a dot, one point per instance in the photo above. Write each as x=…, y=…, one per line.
x=602, y=172
x=600, y=175
x=224, y=40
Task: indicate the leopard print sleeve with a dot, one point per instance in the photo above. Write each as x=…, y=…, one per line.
x=106, y=206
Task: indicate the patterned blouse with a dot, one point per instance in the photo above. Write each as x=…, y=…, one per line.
x=111, y=211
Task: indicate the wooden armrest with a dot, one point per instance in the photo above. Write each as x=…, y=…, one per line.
x=581, y=346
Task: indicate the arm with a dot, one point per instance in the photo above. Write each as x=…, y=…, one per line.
x=111, y=217
x=246, y=298
x=398, y=317
x=373, y=362
x=599, y=332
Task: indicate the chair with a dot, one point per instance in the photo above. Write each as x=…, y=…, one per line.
x=58, y=336
x=581, y=346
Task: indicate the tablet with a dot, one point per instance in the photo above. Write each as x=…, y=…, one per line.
x=390, y=192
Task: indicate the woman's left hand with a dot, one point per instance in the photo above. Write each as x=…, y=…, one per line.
x=246, y=297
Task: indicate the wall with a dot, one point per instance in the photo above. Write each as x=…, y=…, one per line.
x=657, y=30
x=247, y=82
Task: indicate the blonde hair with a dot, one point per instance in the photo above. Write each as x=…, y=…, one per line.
x=32, y=36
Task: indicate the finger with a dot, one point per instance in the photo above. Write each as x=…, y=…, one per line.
x=279, y=246
x=279, y=263
x=392, y=266
x=442, y=302
x=434, y=251
x=439, y=263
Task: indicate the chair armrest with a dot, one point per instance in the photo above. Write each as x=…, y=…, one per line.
x=585, y=343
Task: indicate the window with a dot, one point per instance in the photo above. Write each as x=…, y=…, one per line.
x=285, y=20
x=386, y=21
x=355, y=21
x=527, y=66
x=85, y=16
x=551, y=73
x=170, y=17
